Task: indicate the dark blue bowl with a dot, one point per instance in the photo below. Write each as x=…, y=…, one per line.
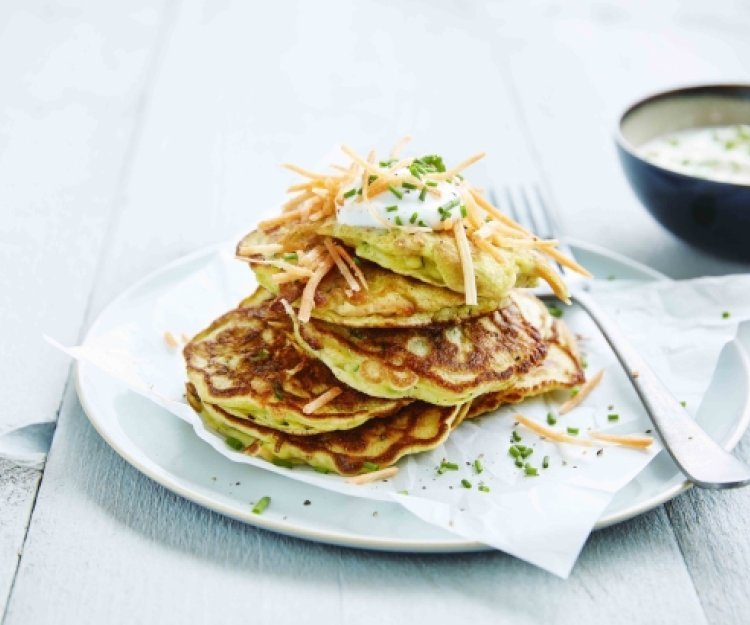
x=714, y=216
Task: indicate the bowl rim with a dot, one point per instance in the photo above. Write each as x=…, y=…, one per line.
x=680, y=91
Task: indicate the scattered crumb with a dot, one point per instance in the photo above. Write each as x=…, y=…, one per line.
x=600, y=452
x=307, y=502
x=635, y=374
x=374, y=514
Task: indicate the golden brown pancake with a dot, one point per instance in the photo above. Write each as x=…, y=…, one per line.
x=377, y=444
x=248, y=363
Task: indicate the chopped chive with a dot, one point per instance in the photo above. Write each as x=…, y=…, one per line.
x=573, y=431
x=530, y=471
x=278, y=390
x=545, y=462
x=372, y=179
x=551, y=420
x=574, y=392
x=280, y=462
x=484, y=488
x=519, y=463
x=683, y=403
x=422, y=223
x=321, y=470
x=262, y=504
x=555, y=311
x=413, y=218
x=584, y=362
x=478, y=466
x=514, y=451
x=387, y=163
x=465, y=483
x=390, y=209
x=291, y=256
x=370, y=466
x=396, y=192
x=408, y=185
x=463, y=211
x=403, y=492
x=516, y=436
x=613, y=417
x=431, y=183
x=448, y=206
x=423, y=194
x=448, y=466
x=526, y=452
x=725, y=315
x=356, y=260
x=234, y=443
x=350, y=192
x=398, y=221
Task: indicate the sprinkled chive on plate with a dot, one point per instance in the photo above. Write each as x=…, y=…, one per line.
x=166, y=449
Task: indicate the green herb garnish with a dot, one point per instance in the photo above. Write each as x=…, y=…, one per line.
x=530, y=471
x=291, y=256
x=478, y=466
x=280, y=462
x=551, y=420
x=408, y=185
x=234, y=443
x=573, y=431
x=413, y=218
x=463, y=211
x=370, y=466
x=484, y=488
x=398, y=221
x=613, y=417
x=261, y=354
x=349, y=193
x=262, y=504
x=545, y=462
x=396, y=192
x=726, y=314
x=423, y=194
x=466, y=483
x=390, y=209
x=555, y=311
x=516, y=436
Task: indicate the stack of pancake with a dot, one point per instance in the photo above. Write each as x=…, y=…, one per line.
x=366, y=376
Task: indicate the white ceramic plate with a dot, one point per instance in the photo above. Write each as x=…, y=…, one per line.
x=166, y=449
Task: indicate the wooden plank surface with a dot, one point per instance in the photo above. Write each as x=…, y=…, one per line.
x=72, y=79
x=237, y=92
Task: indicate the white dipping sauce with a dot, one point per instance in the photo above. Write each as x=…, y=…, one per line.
x=719, y=153
x=408, y=210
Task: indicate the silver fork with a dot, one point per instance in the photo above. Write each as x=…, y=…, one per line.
x=698, y=456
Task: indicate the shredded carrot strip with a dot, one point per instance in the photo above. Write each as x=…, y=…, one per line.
x=400, y=146
x=307, y=301
x=322, y=400
x=467, y=263
x=628, y=440
x=341, y=265
x=374, y=476
x=549, y=433
x=353, y=266
x=583, y=392
x=302, y=171
x=170, y=340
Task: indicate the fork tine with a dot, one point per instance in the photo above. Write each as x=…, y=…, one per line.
x=512, y=208
x=547, y=228
x=532, y=222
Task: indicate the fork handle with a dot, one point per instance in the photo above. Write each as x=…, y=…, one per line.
x=700, y=458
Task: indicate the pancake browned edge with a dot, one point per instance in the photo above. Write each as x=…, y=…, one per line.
x=248, y=363
x=377, y=444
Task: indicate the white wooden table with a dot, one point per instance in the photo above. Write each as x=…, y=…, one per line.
x=132, y=133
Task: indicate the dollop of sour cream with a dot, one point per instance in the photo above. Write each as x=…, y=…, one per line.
x=407, y=210
x=720, y=153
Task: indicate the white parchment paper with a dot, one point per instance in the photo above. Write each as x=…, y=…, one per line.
x=545, y=520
